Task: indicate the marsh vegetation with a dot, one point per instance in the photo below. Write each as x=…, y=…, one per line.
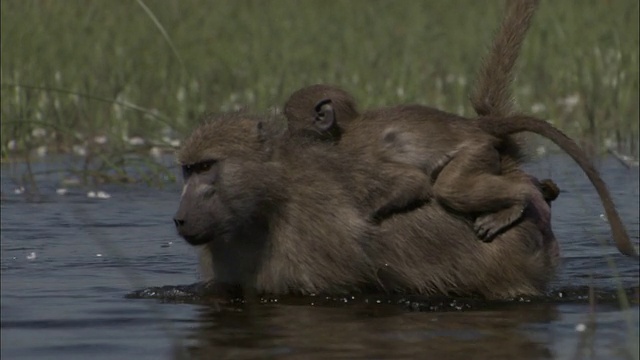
x=108, y=80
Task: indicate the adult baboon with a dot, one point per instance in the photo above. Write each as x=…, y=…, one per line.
x=265, y=217
x=274, y=215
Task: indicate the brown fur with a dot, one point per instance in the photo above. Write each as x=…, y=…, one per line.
x=304, y=106
x=473, y=162
x=471, y=179
x=261, y=219
x=492, y=95
x=549, y=190
x=275, y=216
x=482, y=175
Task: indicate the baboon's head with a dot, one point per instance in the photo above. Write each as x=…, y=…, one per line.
x=224, y=165
x=320, y=111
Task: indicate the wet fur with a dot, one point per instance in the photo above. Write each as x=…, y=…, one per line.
x=472, y=177
x=278, y=218
x=482, y=175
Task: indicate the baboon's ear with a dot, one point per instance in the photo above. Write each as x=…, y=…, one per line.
x=325, y=117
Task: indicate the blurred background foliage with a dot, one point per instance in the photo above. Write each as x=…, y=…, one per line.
x=79, y=75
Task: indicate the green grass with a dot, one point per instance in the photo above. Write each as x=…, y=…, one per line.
x=117, y=69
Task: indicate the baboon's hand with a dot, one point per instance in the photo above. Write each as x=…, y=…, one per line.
x=489, y=225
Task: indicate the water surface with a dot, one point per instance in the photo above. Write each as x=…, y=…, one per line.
x=68, y=261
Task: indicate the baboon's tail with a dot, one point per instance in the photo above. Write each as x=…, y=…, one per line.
x=491, y=95
x=502, y=126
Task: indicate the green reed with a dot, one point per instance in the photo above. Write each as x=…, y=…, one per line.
x=74, y=72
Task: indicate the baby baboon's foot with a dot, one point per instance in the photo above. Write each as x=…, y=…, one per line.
x=549, y=190
x=489, y=225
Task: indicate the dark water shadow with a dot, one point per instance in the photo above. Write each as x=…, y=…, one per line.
x=382, y=326
x=202, y=294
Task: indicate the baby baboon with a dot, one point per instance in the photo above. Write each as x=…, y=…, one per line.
x=473, y=150
x=462, y=157
x=485, y=178
x=306, y=108
x=304, y=111
x=312, y=111
x=311, y=114
x=275, y=216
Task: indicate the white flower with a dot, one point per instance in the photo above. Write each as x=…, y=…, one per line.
x=135, y=141
x=38, y=132
x=79, y=150
x=41, y=151
x=155, y=152
x=538, y=108
x=181, y=95
x=570, y=102
x=100, y=139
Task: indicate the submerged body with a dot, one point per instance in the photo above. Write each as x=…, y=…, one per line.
x=276, y=217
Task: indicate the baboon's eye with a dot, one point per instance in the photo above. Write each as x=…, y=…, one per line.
x=203, y=167
x=200, y=167
x=186, y=171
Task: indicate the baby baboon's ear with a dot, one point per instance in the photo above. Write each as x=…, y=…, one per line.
x=325, y=117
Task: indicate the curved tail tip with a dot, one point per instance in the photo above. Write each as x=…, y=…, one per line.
x=628, y=249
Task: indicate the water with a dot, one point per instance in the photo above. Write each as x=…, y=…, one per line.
x=68, y=262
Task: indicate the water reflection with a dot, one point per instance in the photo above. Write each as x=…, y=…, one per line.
x=368, y=332
x=392, y=327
